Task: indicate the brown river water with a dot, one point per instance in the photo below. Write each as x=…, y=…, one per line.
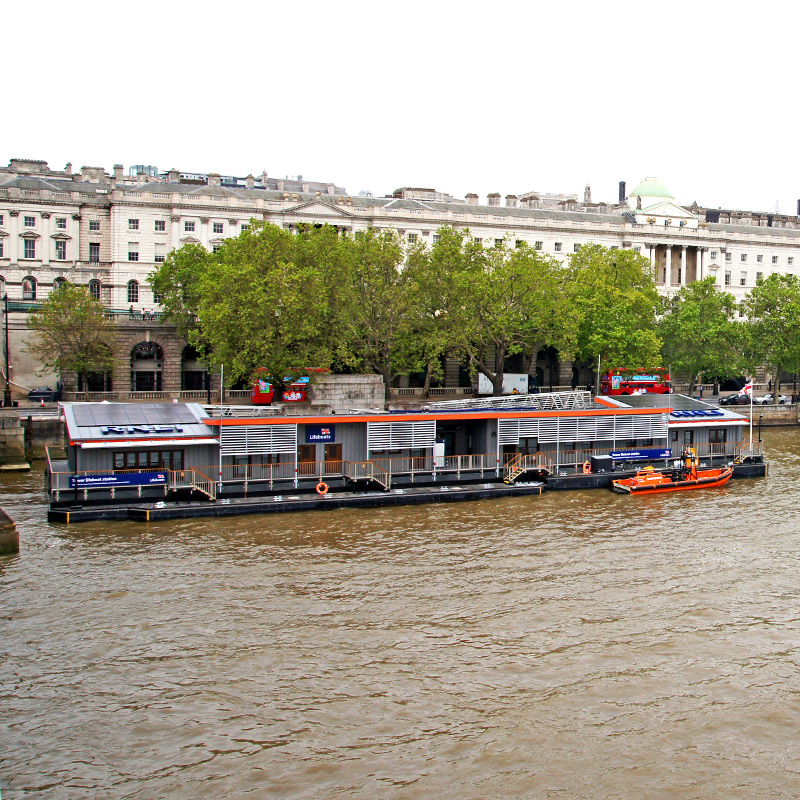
x=573, y=645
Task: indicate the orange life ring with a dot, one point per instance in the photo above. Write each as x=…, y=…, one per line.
x=322, y=489
x=587, y=468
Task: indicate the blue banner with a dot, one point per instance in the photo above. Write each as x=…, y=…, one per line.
x=641, y=455
x=120, y=479
x=320, y=433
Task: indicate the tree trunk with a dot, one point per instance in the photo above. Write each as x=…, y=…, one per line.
x=426, y=386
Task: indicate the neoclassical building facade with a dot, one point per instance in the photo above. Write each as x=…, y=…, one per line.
x=110, y=230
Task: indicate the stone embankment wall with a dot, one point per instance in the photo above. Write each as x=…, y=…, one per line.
x=12, y=438
x=343, y=392
x=9, y=536
x=772, y=416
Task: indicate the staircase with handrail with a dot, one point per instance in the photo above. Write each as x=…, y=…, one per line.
x=522, y=463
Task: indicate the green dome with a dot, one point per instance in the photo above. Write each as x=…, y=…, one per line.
x=651, y=187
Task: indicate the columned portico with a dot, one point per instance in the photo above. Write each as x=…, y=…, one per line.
x=683, y=265
x=668, y=273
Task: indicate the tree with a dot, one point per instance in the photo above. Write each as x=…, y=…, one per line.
x=613, y=294
x=263, y=302
x=177, y=282
x=376, y=331
x=500, y=300
x=700, y=334
x=74, y=333
x=773, y=313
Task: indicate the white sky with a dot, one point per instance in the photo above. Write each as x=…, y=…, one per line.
x=458, y=96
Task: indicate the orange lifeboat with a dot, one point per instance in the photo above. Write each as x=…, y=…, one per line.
x=687, y=476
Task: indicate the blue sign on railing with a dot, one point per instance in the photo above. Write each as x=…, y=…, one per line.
x=121, y=479
x=641, y=455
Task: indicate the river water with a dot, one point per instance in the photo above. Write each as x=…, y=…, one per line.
x=573, y=645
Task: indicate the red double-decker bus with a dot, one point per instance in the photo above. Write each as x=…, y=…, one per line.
x=635, y=381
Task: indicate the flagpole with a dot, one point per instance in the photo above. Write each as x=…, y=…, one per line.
x=751, y=417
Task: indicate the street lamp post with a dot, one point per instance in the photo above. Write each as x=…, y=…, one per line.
x=7, y=389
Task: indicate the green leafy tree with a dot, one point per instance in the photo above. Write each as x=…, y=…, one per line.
x=700, y=333
x=73, y=333
x=263, y=302
x=375, y=332
x=499, y=301
x=613, y=294
x=177, y=283
x=773, y=313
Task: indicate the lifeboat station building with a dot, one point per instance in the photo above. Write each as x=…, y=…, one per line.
x=184, y=459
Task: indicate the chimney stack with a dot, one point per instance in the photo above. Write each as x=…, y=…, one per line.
x=213, y=179
x=494, y=199
x=512, y=200
x=472, y=199
x=249, y=181
x=174, y=176
x=622, y=191
x=118, y=171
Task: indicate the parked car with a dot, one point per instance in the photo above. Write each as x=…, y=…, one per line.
x=767, y=400
x=735, y=400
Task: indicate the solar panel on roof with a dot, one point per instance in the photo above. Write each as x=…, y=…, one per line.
x=133, y=414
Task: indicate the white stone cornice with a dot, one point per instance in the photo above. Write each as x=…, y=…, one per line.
x=61, y=236
x=29, y=235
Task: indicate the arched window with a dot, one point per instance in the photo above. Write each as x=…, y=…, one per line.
x=133, y=291
x=29, y=288
x=58, y=283
x=147, y=360
x=193, y=371
x=94, y=288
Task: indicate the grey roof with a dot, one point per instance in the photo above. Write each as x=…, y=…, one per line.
x=677, y=402
x=132, y=421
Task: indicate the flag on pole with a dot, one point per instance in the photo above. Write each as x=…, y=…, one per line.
x=747, y=389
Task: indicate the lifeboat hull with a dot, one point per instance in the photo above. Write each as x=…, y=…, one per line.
x=657, y=482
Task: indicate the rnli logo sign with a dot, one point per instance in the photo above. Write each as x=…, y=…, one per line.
x=320, y=433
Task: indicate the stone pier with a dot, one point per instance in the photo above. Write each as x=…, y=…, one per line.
x=9, y=536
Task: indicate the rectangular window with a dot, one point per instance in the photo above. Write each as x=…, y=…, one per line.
x=216, y=247
x=412, y=238
x=790, y=260
x=133, y=224
x=30, y=248
x=743, y=256
x=61, y=222
x=575, y=248
x=94, y=252
x=478, y=240
x=435, y=238
x=557, y=247
x=61, y=251
x=518, y=243
x=774, y=259
x=133, y=251
x=759, y=276
x=94, y=224
x=218, y=227
x=498, y=242
x=188, y=227
x=741, y=310
x=713, y=255
x=161, y=225
x=1, y=251
x=637, y=249
x=743, y=279
x=538, y=245
x=2, y=219
x=727, y=256
x=716, y=435
x=30, y=222
x=159, y=258
x=759, y=258
x=727, y=277
x=245, y=226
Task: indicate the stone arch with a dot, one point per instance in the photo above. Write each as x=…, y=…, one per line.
x=194, y=375
x=147, y=367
